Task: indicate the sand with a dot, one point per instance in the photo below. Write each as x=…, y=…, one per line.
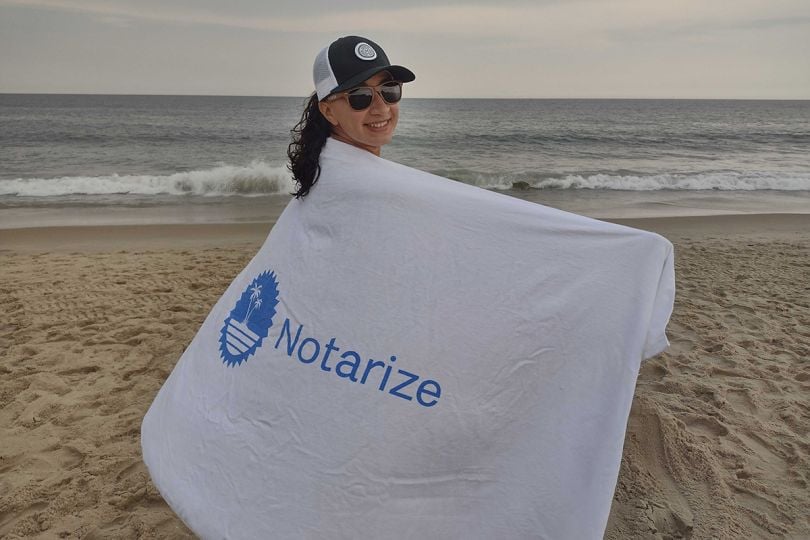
x=93, y=320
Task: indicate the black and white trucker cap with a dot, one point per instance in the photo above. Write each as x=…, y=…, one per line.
x=348, y=62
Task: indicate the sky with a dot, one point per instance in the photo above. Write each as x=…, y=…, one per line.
x=724, y=49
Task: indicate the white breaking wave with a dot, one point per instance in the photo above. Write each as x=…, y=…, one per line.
x=722, y=181
x=258, y=178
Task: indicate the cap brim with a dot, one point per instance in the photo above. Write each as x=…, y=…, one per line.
x=399, y=73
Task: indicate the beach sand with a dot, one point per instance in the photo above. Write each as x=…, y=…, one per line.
x=94, y=319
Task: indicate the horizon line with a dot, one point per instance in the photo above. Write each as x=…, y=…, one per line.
x=410, y=98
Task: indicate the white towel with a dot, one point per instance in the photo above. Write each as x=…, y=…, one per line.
x=411, y=357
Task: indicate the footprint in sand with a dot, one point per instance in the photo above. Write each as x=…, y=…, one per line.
x=7, y=463
x=669, y=522
x=84, y=370
x=22, y=520
x=741, y=400
x=653, y=371
x=69, y=458
x=128, y=470
x=706, y=425
x=63, y=457
x=759, y=508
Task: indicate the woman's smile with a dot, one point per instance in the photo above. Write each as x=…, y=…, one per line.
x=379, y=126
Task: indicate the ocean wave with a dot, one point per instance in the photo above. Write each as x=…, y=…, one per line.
x=257, y=178
x=260, y=178
x=700, y=140
x=719, y=181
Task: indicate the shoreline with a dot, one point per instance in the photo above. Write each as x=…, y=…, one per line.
x=105, y=238
x=194, y=209
x=101, y=238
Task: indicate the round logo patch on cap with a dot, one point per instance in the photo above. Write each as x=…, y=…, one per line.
x=364, y=51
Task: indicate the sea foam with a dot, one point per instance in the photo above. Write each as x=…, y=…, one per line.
x=720, y=181
x=257, y=178
x=260, y=178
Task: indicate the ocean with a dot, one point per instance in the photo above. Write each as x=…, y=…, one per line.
x=69, y=159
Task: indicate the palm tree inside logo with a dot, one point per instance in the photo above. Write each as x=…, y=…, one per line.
x=255, y=300
x=243, y=334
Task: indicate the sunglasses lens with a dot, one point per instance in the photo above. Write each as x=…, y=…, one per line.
x=360, y=98
x=391, y=92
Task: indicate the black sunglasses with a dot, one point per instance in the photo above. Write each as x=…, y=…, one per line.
x=360, y=97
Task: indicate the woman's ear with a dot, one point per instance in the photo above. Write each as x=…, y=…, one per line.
x=327, y=112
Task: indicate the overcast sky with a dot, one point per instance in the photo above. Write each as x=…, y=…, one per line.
x=483, y=48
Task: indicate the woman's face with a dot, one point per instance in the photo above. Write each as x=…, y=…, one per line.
x=368, y=129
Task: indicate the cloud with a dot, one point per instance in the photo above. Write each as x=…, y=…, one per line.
x=162, y=14
x=535, y=21
x=554, y=47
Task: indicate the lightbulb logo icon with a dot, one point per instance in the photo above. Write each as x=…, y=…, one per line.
x=249, y=320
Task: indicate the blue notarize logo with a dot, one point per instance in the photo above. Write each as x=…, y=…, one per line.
x=248, y=324
x=249, y=320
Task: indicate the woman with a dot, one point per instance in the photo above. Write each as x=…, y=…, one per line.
x=408, y=356
x=356, y=102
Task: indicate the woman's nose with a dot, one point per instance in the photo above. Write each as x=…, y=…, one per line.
x=377, y=101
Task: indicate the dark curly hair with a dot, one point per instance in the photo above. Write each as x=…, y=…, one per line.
x=308, y=137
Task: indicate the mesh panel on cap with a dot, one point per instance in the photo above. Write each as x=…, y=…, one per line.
x=322, y=74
